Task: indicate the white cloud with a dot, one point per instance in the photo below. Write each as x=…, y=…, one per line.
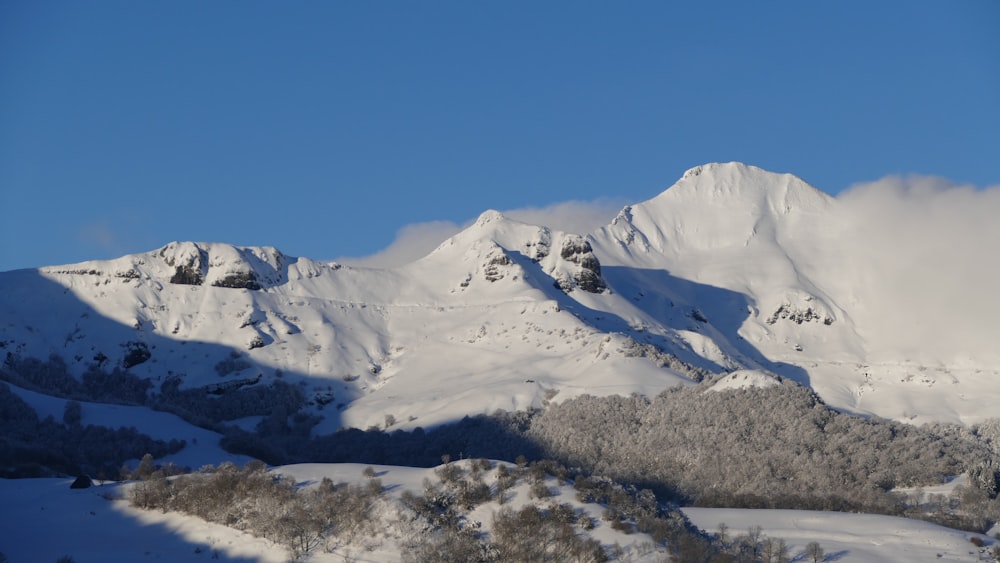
x=579, y=217
x=927, y=249
x=412, y=242
x=416, y=240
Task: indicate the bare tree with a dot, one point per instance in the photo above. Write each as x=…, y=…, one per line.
x=814, y=552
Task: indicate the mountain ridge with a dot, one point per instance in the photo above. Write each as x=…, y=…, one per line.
x=731, y=268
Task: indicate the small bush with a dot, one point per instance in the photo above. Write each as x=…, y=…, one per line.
x=540, y=490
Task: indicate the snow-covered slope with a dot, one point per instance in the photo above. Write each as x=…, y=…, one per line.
x=848, y=537
x=732, y=268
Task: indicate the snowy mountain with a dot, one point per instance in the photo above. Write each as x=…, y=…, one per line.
x=866, y=322
x=732, y=268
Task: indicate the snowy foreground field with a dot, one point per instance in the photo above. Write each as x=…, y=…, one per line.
x=44, y=520
x=848, y=537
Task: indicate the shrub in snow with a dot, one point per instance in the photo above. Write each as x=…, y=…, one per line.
x=135, y=354
x=531, y=534
x=81, y=482
x=256, y=342
x=252, y=499
x=234, y=363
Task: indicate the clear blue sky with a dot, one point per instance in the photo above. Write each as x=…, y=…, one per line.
x=324, y=127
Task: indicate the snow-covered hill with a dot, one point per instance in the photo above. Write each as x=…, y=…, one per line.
x=45, y=520
x=732, y=268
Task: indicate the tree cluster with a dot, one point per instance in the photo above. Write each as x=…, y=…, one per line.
x=325, y=516
x=202, y=406
x=31, y=446
x=776, y=447
x=207, y=409
x=52, y=377
x=258, y=502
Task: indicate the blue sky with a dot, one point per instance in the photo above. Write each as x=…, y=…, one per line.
x=327, y=128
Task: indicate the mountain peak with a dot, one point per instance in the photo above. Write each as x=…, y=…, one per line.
x=490, y=216
x=736, y=179
x=223, y=265
x=192, y=263
x=721, y=168
x=715, y=206
x=733, y=189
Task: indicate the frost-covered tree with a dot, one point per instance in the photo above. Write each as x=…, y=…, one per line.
x=986, y=477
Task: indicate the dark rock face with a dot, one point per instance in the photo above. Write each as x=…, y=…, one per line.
x=241, y=268
x=538, y=250
x=239, y=280
x=588, y=276
x=494, y=270
x=186, y=275
x=590, y=281
x=574, y=247
x=191, y=271
x=797, y=316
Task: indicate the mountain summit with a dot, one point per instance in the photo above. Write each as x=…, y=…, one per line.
x=716, y=206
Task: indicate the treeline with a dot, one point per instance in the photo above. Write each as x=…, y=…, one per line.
x=203, y=406
x=209, y=407
x=775, y=447
x=502, y=435
x=33, y=447
x=52, y=377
